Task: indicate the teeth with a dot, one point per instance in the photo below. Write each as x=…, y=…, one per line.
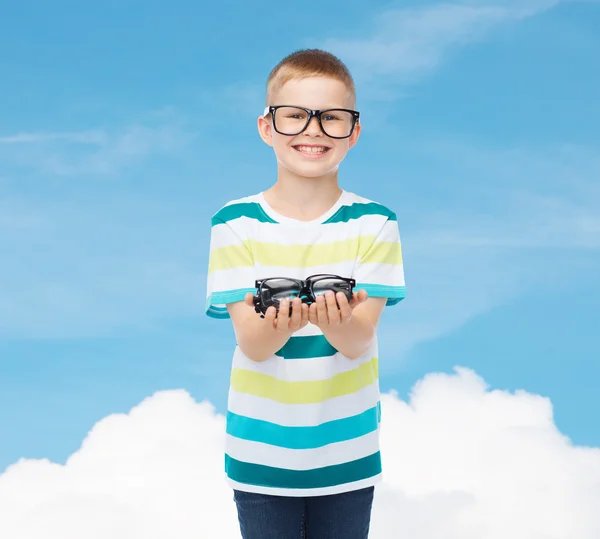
x=311, y=149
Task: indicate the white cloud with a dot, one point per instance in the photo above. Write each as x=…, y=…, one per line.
x=82, y=137
x=95, y=152
x=461, y=462
x=407, y=43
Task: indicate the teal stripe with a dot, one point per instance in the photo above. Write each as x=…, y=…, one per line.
x=223, y=298
x=218, y=313
x=357, y=210
x=340, y=430
x=253, y=210
x=328, y=476
x=230, y=296
x=306, y=347
x=394, y=294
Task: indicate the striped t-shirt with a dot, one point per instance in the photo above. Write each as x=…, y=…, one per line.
x=304, y=422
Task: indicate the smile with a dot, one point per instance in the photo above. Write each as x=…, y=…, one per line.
x=311, y=151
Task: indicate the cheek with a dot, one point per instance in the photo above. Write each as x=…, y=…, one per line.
x=341, y=147
x=280, y=144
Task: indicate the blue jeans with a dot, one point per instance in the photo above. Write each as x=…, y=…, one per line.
x=336, y=516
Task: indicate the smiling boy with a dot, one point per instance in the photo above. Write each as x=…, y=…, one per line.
x=302, y=444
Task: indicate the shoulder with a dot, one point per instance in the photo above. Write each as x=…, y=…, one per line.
x=359, y=208
x=239, y=210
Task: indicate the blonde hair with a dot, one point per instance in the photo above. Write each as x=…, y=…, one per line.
x=308, y=63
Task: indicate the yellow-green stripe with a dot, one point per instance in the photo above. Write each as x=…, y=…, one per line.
x=305, y=392
x=383, y=252
x=302, y=256
x=231, y=256
x=292, y=256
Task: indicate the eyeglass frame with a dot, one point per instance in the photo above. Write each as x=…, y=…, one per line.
x=305, y=285
x=272, y=109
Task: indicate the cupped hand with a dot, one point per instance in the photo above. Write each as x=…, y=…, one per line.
x=282, y=321
x=326, y=312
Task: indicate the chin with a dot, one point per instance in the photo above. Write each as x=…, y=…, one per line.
x=311, y=171
x=320, y=173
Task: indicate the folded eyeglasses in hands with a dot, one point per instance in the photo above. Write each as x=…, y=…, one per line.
x=271, y=291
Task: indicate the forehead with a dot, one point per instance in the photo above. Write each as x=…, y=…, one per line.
x=314, y=93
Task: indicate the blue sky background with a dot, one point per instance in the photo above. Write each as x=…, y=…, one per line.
x=125, y=125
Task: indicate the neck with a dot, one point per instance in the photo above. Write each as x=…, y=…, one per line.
x=303, y=198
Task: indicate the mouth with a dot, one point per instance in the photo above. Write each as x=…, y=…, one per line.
x=311, y=150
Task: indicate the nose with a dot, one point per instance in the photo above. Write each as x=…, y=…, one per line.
x=313, y=128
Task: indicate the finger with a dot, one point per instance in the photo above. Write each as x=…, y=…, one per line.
x=304, y=315
x=345, y=308
x=296, y=313
x=271, y=316
x=333, y=311
x=322, y=310
x=358, y=298
x=249, y=299
x=313, y=317
x=283, y=316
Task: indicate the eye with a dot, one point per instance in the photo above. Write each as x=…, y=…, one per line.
x=296, y=116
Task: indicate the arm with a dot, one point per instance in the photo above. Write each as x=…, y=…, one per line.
x=379, y=273
x=351, y=327
x=354, y=337
x=259, y=338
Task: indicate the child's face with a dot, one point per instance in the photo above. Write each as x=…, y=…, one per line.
x=310, y=154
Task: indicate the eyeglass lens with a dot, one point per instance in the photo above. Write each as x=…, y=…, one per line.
x=322, y=286
x=277, y=289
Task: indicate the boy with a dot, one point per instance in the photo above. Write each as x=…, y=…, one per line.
x=302, y=445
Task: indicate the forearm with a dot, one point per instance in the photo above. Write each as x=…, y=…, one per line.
x=351, y=338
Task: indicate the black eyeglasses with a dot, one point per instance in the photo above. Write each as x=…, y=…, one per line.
x=335, y=123
x=271, y=291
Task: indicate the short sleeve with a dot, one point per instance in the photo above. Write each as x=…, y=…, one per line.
x=379, y=269
x=230, y=269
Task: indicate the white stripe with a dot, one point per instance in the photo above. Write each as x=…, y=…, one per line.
x=231, y=279
x=308, y=330
x=302, y=459
x=385, y=274
x=389, y=232
x=302, y=370
x=234, y=232
x=238, y=277
x=303, y=415
x=343, y=269
x=337, y=489
x=225, y=235
x=367, y=225
x=382, y=274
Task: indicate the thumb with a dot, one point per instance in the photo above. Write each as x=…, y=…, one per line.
x=248, y=299
x=359, y=297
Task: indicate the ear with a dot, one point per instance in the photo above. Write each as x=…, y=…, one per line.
x=265, y=130
x=355, y=134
